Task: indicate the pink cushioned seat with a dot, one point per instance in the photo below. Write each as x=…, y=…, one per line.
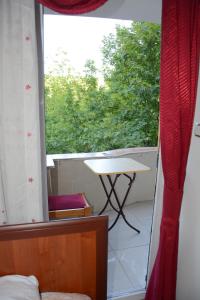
x=71, y=201
x=68, y=206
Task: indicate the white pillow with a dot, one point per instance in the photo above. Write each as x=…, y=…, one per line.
x=64, y=296
x=17, y=287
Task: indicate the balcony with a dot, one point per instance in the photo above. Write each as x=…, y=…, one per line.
x=128, y=250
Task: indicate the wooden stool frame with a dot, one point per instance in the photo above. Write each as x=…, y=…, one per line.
x=71, y=213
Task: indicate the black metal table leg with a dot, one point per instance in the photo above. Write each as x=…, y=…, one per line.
x=119, y=210
x=108, y=194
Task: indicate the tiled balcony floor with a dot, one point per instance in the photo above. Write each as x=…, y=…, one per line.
x=128, y=250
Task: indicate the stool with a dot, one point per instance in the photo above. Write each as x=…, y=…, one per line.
x=68, y=206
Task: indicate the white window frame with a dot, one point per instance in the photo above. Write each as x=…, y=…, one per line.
x=120, y=9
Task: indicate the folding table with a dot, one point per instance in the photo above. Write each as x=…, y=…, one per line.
x=117, y=167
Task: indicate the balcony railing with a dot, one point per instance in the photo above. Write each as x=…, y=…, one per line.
x=68, y=174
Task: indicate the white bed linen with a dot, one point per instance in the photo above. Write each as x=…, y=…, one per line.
x=17, y=287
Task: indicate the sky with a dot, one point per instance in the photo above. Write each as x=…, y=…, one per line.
x=80, y=37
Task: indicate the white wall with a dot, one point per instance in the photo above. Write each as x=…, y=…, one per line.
x=138, y=10
x=130, y=10
x=188, y=286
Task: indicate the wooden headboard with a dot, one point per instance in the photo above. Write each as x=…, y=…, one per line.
x=65, y=256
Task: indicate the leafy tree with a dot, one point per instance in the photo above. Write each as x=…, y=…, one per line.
x=82, y=116
x=131, y=70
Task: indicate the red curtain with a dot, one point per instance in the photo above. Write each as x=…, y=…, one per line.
x=72, y=6
x=178, y=85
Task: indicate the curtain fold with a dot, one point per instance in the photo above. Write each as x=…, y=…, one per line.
x=72, y=6
x=21, y=183
x=180, y=48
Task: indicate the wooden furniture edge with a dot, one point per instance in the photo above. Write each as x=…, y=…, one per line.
x=28, y=230
x=99, y=224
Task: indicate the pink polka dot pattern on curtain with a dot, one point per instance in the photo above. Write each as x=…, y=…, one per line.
x=20, y=154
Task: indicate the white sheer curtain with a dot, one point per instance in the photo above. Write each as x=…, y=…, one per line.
x=22, y=187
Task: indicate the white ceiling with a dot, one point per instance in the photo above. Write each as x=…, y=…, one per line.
x=138, y=10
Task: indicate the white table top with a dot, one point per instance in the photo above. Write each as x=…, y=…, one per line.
x=115, y=166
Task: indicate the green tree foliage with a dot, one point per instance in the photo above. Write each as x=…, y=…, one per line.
x=83, y=116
